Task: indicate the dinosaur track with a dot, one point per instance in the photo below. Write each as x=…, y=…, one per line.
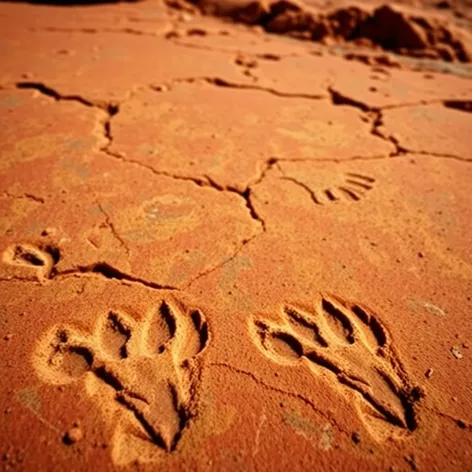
x=147, y=371
x=349, y=346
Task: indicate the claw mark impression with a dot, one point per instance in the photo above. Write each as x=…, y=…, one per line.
x=353, y=187
x=145, y=371
x=350, y=347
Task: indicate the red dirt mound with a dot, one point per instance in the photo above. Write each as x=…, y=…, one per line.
x=390, y=27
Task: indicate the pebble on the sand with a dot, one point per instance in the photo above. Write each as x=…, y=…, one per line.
x=73, y=436
x=456, y=353
x=429, y=373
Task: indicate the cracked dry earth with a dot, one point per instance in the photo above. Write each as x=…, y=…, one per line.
x=227, y=250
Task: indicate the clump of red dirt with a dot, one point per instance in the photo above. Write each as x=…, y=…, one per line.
x=388, y=27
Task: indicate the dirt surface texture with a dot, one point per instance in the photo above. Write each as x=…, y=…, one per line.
x=227, y=249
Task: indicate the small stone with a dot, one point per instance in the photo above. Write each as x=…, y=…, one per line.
x=7, y=337
x=456, y=353
x=186, y=17
x=420, y=255
x=465, y=345
x=429, y=373
x=461, y=424
x=73, y=436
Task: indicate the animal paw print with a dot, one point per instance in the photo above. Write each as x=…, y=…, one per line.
x=350, y=347
x=146, y=370
x=42, y=258
x=353, y=187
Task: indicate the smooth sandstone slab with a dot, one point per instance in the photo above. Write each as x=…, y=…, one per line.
x=131, y=17
x=390, y=87
x=434, y=129
x=43, y=140
x=193, y=130
x=77, y=63
x=313, y=74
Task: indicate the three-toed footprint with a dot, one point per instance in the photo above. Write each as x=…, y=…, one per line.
x=348, y=345
x=148, y=370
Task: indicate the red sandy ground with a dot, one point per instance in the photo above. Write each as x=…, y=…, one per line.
x=224, y=249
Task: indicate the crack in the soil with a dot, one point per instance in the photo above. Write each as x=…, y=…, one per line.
x=377, y=124
x=235, y=370
x=113, y=230
x=246, y=194
x=303, y=186
x=376, y=117
x=52, y=93
x=110, y=108
x=24, y=196
x=103, y=269
x=374, y=113
x=207, y=182
x=337, y=98
x=223, y=83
